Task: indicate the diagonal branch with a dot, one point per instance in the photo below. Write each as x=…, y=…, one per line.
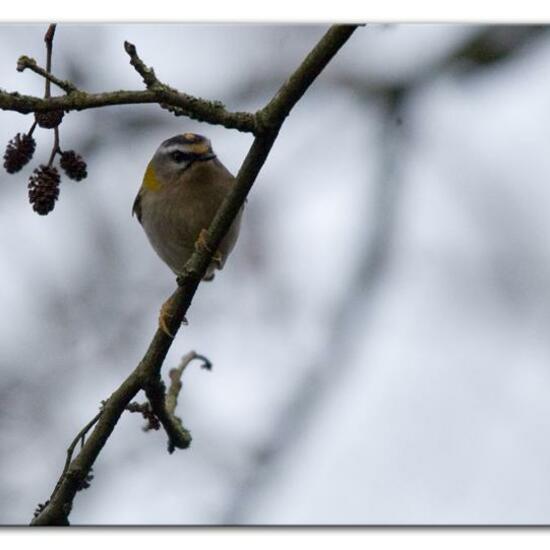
x=273, y=115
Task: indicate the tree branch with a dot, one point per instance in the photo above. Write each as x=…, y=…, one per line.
x=163, y=404
x=25, y=62
x=48, y=39
x=178, y=436
x=147, y=73
x=179, y=103
x=148, y=371
x=175, y=378
x=193, y=107
x=80, y=436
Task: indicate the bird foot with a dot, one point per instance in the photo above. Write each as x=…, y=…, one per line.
x=166, y=315
x=201, y=244
x=217, y=259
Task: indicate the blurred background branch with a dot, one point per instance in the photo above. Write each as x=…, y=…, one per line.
x=488, y=46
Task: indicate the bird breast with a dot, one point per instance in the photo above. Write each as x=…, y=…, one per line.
x=173, y=217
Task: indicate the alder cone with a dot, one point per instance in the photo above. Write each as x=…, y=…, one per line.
x=49, y=119
x=44, y=189
x=73, y=165
x=19, y=152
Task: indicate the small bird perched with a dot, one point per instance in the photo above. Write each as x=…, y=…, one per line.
x=183, y=186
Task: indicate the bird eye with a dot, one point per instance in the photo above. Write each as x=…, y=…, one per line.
x=180, y=156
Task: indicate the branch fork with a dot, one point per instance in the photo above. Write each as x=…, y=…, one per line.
x=25, y=62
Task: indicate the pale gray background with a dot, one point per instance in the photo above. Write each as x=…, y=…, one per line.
x=380, y=336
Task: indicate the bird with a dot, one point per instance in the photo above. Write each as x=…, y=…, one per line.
x=183, y=186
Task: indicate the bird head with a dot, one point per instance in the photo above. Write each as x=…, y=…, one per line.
x=175, y=156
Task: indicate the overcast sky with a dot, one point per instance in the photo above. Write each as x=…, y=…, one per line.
x=379, y=335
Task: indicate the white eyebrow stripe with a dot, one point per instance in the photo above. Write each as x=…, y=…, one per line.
x=173, y=148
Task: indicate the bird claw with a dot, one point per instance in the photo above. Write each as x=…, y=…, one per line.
x=202, y=244
x=217, y=259
x=165, y=315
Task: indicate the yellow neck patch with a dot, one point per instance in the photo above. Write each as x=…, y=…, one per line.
x=150, y=181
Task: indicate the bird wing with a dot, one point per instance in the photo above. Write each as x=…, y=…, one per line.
x=136, y=208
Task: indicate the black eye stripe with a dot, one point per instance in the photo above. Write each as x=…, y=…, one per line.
x=180, y=156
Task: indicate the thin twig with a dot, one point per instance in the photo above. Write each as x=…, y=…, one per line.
x=161, y=407
x=55, y=148
x=25, y=62
x=147, y=73
x=196, y=109
x=80, y=436
x=178, y=436
x=48, y=38
x=30, y=132
x=175, y=378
